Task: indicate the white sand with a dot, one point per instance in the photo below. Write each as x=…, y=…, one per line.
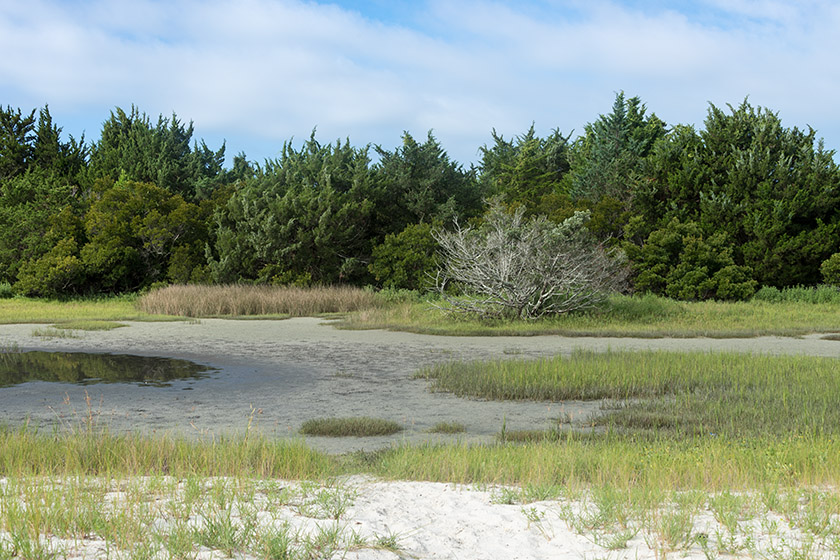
x=443, y=521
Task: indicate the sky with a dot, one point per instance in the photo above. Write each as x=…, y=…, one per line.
x=257, y=73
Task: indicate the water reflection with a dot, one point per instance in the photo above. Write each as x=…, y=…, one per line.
x=87, y=369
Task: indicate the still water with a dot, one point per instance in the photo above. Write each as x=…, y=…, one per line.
x=88, y=369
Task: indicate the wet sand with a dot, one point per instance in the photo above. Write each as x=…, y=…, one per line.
x=273, y=375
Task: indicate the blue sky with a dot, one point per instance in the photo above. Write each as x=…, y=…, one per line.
x=259, y=72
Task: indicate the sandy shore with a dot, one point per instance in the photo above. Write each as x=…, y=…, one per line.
x=275, y=374
x=366, y=519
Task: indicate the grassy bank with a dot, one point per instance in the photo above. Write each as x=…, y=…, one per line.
x=32, y=310
x=623, y=316
x=790, y=313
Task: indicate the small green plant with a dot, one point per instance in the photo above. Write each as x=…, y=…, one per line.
x=536, y=518
x=358, y=426
x=391, y=542
x=6, y=290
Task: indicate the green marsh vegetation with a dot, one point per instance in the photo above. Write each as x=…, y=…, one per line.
x=356, y=426
x=679, y=395
x=789, y=312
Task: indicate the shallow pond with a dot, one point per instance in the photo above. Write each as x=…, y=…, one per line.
x=88, y=369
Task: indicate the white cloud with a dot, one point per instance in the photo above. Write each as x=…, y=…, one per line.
x=273, y=69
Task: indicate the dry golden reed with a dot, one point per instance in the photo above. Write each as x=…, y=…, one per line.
x=237, y=300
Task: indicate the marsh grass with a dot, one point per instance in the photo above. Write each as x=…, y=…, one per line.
x=53, y=332
x=89, y=325
x=685, y=394
x=357, y=426
x=45, y=311
x=448, y=428
x=242, y=300
x=623, y=316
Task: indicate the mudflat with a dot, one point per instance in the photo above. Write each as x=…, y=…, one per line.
x=272, y=375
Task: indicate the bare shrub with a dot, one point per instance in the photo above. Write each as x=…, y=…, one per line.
x=241, y=300
x=513, y=267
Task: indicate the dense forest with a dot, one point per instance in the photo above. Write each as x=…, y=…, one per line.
x=715, y=213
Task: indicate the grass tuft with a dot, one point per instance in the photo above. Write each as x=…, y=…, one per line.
x=448, y=428
x=358, y=426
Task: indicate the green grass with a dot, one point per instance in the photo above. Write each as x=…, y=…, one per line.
x=357, y=426
x=624, y=316
x=448, y=428
x=32, y=310
x=727, y=394
x=90, y=325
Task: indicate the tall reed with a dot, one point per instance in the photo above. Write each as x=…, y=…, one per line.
x=238, y=300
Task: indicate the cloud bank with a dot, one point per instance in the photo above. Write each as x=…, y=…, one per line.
x=259, y=72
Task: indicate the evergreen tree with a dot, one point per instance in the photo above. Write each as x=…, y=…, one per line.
x=305, y=218
x=608, y=159
x=418, y=183
x=528, y=171
x=131, y=146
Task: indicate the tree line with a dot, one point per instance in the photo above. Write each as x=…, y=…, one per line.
x=704, y=213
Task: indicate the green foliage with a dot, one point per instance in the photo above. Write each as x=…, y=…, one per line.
x=817, y=295
x=131, y=146
x=830, y=270
x=134, y=232
x=527, y=170
x=774, y=191
x=58, y=272
x=37, y=180
x=680, y=262
x=6, y=290
x=608, y=159
x=406, y=260
x=304, y=219
x=16, y=136
x=419, y=183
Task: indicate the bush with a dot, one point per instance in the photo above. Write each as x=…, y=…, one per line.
x=57, y=273
x=517, y=268
x=678, y=261
x=830, y=270
x=406, y=260
x=6, y=290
